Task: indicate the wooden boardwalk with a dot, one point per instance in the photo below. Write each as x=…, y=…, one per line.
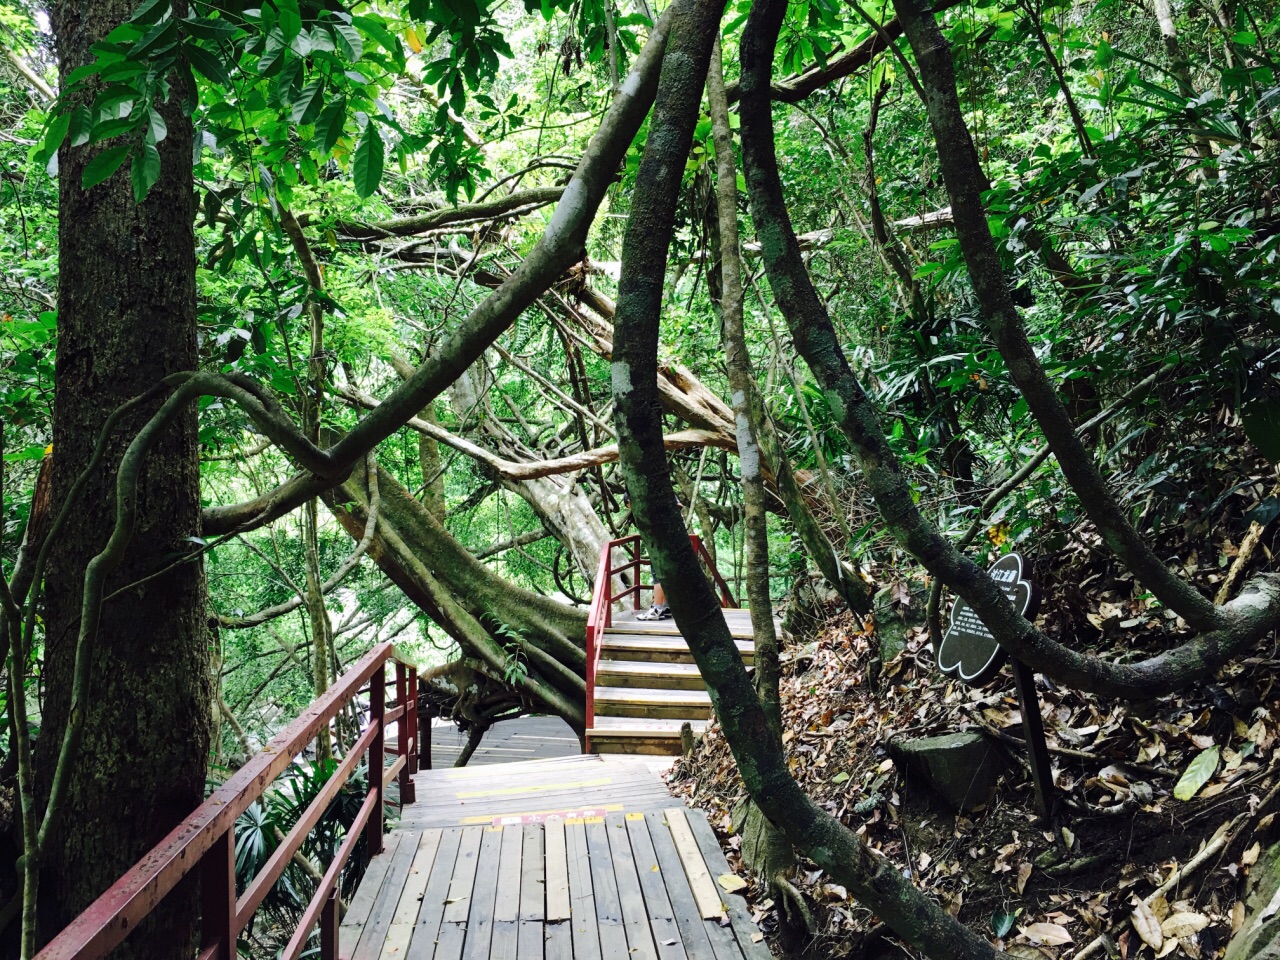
x=526, y=738
x=575, y=858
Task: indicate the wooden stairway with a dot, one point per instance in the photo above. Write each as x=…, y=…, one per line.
x=642, y=683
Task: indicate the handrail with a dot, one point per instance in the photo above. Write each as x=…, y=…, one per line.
x=206, y=839
x=600, y=613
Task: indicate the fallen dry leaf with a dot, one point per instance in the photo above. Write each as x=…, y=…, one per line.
x=1147, y=926
x=731, y=882
x=1051, y=934
x=1184, y=924
x=1024, y=874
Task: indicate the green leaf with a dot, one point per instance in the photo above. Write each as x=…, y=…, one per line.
x=103, y=165
x=208, y=29
x=208, y=64
x=81, y=124
x=145, y=171
x=347, y=38
x=156, y=40
x=156, y=125
x=376, y=28
x=1002, y=921
x=150, y=12
x=55, y=134
x=309, y=101
x=1197, y=774
x=329, y=126
x=367, y=168
x=112, y=128
x=840, y=777
x=1262, y=425
x=290, y=19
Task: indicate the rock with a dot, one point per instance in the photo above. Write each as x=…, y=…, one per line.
x=962, y=768
x=1259, y=938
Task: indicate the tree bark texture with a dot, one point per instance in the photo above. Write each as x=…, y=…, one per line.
x=741, y=382
x=126, y=319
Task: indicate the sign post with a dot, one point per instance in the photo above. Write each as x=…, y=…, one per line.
x=970, y=652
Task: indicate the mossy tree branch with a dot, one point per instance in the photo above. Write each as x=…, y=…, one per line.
x=754, y=742
x=1236, y=626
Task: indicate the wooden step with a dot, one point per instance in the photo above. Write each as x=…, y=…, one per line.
x=647, y=702
x=639, y=735
x=617, y=645
x=625, y=621
x=655, y=674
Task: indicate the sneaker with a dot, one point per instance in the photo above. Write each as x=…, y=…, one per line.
x=656, y=613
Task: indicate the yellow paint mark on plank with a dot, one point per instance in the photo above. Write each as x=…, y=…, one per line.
x=537, y=788
x=485, y=818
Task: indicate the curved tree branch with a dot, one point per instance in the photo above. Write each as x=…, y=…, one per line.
x=756, y=747
x=965, y=181
x=560, y=246
x=1241, y=624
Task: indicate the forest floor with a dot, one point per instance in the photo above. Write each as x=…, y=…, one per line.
x=1041, y=888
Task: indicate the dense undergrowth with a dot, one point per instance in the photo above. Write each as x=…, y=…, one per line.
x=1042, y=887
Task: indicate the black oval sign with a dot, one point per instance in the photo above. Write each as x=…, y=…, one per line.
x=968, y=650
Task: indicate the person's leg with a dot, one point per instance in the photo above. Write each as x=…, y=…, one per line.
x=659, y=610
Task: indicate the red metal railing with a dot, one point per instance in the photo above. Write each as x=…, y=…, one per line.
x=206, y=839
x=600, y=615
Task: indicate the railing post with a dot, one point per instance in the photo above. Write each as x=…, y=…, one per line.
x=639, y=574
x=377, y=755
x=403, y=736
x=424, y=740
x=329, y=927
x=218, y=897
x=413, y=721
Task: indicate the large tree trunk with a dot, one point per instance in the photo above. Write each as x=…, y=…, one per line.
x=126, y=318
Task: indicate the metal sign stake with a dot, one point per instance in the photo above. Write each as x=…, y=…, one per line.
x=1033, y=731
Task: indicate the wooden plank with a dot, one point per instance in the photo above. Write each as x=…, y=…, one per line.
x=532, y=874
x=666, y=933
x=505, y=942
x=453, y=936
x=458, y=905
x=507, y=903
x=603, y=884
x=582, y=920
x=558, y=942
x=431, y=913
x=520, y=768
x=529, y=940
x=635, y=916
x=702, y=939
x=529, y=944
x=750, y=939
x=613, y=937
x=406, y=916
x=521, y=788
x=375, y=929
x=557, y=872
x=484, y=895
x=358, y=910
x=506, y=912
x=705, y=891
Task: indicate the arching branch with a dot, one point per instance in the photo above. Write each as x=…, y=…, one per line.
x=558, y=249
